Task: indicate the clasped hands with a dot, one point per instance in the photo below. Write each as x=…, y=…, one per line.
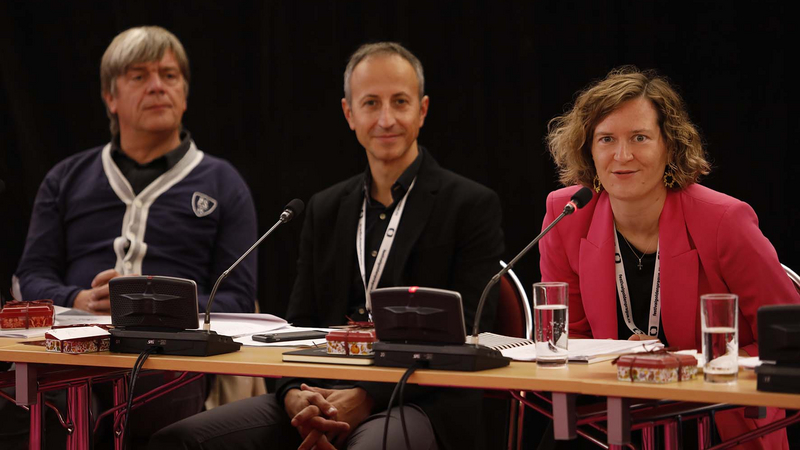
x=326, y=417
x=643, y=337
x=97, y=299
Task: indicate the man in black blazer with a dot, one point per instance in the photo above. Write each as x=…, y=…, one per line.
x=404, y=221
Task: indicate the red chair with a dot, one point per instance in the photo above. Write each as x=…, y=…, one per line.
x=513, y=318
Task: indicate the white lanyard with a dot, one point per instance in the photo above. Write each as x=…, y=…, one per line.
x=624, y=293
x=385, y=248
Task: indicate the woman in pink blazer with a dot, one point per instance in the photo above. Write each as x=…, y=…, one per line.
x=652, y=236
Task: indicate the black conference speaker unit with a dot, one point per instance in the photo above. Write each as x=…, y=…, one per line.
x=779, y=349
x=161, y=312
x=425, y=326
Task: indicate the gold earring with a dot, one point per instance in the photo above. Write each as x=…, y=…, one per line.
x=669, y=178
x=597, y=186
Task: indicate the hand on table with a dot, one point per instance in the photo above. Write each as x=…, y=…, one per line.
x=96, y=300
x=641, y=337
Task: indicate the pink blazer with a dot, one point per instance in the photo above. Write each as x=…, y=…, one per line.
x=708, y=242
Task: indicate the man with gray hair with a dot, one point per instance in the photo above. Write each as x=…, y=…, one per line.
x=413, y=223
x=148, y=202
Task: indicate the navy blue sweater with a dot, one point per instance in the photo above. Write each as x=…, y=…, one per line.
x=192, y=222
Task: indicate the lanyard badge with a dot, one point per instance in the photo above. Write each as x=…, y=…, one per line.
x=386, y=245
x=624, y=293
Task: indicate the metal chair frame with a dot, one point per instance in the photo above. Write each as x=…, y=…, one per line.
x=517, y=409
x=792, y=276
x=526, y=304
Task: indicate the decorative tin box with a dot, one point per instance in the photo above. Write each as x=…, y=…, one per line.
x=23, y=315
x=81, y=339
x=662, y=367
x=350, y=342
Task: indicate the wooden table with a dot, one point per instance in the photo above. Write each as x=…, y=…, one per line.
x=592, y=379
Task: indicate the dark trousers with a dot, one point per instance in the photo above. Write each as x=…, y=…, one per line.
x=15, y=423
x=262, y=423
x=181, y=403
x=151, y=417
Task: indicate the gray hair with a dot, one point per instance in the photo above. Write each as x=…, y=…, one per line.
x=382, y=48
x=133, y=46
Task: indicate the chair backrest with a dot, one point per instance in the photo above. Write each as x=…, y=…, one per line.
x=513, y=316
x=792, y=276
x=16, y=293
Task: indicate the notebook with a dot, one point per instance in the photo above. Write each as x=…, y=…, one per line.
x=321, y=355
x=580, y=350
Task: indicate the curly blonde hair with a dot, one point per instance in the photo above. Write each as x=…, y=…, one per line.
x=569, y=136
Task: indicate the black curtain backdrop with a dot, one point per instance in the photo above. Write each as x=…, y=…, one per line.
x=267, y=80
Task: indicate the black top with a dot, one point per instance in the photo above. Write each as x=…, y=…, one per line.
x=378, y=217
x=141, y=175
x=640, y=286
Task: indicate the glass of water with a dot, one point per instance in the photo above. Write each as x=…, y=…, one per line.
x=550, y=320
x=719, y=315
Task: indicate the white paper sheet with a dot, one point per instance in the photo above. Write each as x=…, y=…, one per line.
x=70, y=319
x=24, y=334
x=238, y=325
x=77, y=332
x=228, y=324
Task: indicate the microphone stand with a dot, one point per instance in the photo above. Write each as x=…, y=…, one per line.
x=285, y=217
x=203, y=342
x=473, y=339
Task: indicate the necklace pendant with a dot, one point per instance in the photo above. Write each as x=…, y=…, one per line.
x=640, y=264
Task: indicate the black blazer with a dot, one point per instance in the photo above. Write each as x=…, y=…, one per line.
x=449, y=238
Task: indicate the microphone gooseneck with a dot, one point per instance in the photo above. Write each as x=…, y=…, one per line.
x=292, y=210
x=578, y=200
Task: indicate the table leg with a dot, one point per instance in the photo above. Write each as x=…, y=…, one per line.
x=520, y=421
x=619, y=420
x=27, y=384
x=564, y=416
x=79, y=404
x=35, y=432
x=755, y=412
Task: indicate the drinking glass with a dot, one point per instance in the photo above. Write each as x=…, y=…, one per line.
x=719, y=324
x=550, y=319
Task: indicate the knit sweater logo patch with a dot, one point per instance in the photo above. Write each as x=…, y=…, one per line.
x=202, y=204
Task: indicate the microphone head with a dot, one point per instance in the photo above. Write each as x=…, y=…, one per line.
x=582, y=197
x=296, y=206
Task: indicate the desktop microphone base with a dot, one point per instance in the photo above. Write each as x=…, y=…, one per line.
x=186, y=343
x=464, y=358
x=778, y=378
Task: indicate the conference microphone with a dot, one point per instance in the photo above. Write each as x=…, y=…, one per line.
x=578, y=201
x=292, y=210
